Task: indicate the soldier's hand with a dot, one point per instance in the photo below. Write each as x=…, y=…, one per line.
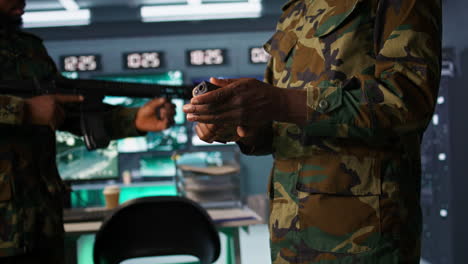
x=240, y=102
x=212, y=132
x=156, y=115
x=48, y=109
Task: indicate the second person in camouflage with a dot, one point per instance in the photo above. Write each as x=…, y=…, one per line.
x=348, y=93
x=31, y=191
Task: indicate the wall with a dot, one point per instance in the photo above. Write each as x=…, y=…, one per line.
x=455, y=22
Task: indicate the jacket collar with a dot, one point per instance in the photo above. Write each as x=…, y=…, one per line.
x=290, y=2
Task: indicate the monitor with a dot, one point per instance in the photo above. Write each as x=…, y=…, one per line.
x=157, y=166
x=76, y=163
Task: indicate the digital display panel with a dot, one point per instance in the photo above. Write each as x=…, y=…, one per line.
x=143, y=60
x=76, y=163
x=157, y=166
x=258, y=55
x=206, y=57
x=80, y=63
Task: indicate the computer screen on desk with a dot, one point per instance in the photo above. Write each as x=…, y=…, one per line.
x=159, y=166
x=75, y=163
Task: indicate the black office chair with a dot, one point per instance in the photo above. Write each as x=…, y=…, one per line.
x=157, y=226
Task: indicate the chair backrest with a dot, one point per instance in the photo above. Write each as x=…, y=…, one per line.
x=157, y=226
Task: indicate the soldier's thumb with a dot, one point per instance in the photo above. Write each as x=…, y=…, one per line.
x=243, y=131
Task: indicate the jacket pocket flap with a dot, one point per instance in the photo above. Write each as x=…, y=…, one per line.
x=325, y=97
x=281, y=44
x=333, y=16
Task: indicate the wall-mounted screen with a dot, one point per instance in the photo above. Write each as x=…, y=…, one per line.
x=206, y=57
x=80, y=63
x=258, y=55
x=143, y=60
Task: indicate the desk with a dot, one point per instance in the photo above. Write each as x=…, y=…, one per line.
x=227, y=221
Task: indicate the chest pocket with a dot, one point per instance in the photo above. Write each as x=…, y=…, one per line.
x=329, y=16
x=280, y=46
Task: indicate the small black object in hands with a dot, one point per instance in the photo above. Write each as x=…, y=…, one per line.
x=203, y=88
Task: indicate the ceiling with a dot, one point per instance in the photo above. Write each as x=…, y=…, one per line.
x=121, y=18
x=36, y=5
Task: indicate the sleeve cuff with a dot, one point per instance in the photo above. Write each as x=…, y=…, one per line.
x=12, y=110
x=322, y=99
x=121, y=124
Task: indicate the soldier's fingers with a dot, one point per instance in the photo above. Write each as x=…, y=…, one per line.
x=68, y=98
x=157, y=102
x=162, y=114
x=222, y=82
x=171, y=108
x=199, y=109
x=164, y=124
x=204, y=133
x=243, y=131
x=204, y=109
x=221, y=118
x=218, y=96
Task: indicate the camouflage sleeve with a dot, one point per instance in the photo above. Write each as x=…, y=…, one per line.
x=396, y=95
x=120, y=122
x=262, y=144
x=11, y=110
x=259, y=144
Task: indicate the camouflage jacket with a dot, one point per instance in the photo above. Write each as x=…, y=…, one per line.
x=30, y=187
x=345, y=187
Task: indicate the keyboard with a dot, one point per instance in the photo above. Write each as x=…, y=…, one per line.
x=90, y=214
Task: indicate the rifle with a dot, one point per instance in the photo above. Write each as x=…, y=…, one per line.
x=90, y=110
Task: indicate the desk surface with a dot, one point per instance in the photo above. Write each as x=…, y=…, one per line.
x=231, y=217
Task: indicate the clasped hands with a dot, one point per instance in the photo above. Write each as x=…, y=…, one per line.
x=240, y=106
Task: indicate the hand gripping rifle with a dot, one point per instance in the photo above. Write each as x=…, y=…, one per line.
x=90, y=110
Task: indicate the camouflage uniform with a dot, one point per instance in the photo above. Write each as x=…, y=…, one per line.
x=31, y=191
x=345, y=187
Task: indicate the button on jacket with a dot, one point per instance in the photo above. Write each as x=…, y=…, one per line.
x=345, y=187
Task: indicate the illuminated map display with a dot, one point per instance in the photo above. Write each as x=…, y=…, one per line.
x=76, y=163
